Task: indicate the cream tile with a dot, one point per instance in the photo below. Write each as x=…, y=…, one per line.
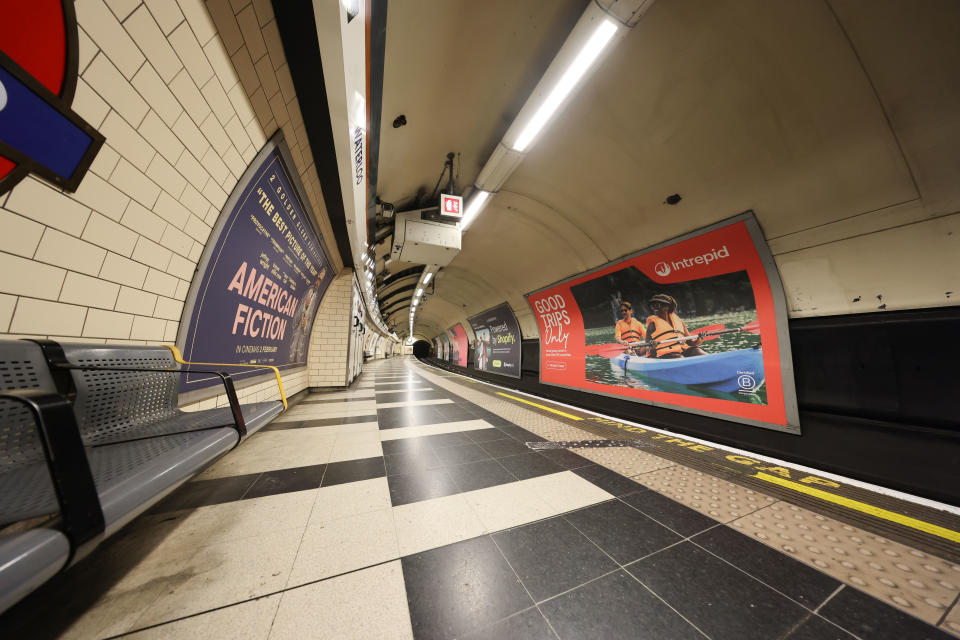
x=367, y=604
x=625, y=460
x=433, y=429
x=508, y=505
x=349, y=499
x=412, y=403
x=269, y=450
x=245, y=621
x=567, y=491
x=344, y=545
x=334, y=410
x=336, y=395
x=433, y=523
x=351, y=450
x=711, y=496
x=227, y=572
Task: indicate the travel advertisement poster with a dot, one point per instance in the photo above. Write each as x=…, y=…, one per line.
x=458, y=344
x=261, y=279
x=697, y=324
x=497, y=341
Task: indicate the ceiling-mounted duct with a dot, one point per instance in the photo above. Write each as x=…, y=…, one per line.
x=423, y=241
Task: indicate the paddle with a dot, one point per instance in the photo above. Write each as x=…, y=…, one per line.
x=711, y=332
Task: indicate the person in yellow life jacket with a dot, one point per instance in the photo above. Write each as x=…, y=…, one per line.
x=664, y=325
x=629, y=330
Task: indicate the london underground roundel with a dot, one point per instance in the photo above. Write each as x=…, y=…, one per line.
x=39, y=133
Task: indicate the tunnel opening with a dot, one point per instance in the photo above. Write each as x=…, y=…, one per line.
x=421, y=349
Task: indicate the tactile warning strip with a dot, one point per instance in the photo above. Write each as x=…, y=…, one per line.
x=921, y=584
x=628, y=462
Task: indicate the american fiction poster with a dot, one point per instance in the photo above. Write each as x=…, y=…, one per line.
x=261, y=278
x=497, y=341
x=459, y=345
x=697, y=324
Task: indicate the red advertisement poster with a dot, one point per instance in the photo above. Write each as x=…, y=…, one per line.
x=697, y=324
x=458, y=345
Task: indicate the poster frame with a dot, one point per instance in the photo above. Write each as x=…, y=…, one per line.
x=781, y=317
x=519, y=336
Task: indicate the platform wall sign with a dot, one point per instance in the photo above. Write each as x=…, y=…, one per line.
x=261, y=277
x=621, y=329
x=459, y=345
x=39, y=132
x=497, y=341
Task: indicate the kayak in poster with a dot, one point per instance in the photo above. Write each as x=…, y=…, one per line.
x=697, y=324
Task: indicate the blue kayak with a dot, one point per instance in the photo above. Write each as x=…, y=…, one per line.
x=728, y=371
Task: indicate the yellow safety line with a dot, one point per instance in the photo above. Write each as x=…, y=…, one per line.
x=906, y=521
x=179, y=358
x=539, y=406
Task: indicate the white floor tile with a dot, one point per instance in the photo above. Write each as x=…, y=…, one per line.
x=245, y=621
x=433, y=429
x=508, y=505
x=350, y=499
x=347, y=450
x=269, y=450
x=331, y=410
x=433, y=523
x=567, y=491
x=412, y=403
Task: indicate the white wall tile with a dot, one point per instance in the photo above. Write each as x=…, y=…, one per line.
x=183, y=287
x=143, y=221
x=166, y=13
x=192, y=170
x=146, y=33
x=215, y=134
x=161, y=137
x=241, y=104
x=86, y=50
x=38, y=201
x=189, y=95
x=226, y=24
x=148, y=83
x=65, y=251
x=197, y=229
x=20, y=235
x=88, y=291
x=190, y=53
x=7, y=305
x=190, y=135
x=104, y=29
x=106, y=233
x=285, y=80
x=134, y=183
x=217, y=99
x=245, y=70
x=168, y=308
x=117, y=268
x=169, y=179
x=147, y=328
x=112, y=87
x=160, y=283
x=122, y=8
x=271, y=37
x=40, y=317
x=135, y=301
x=215, y=194
x=196, y=252
x=182, y=268
x=238, y=135
x=267, y=76
x=21, y=276
x=101, y=196
x=127, y=141
x=89, y=105
x=234, y=162
x=176, y=240
x=196, y=14
x=215, y=166
x=252, y=36
x=221, y=63
x=105, y=162
x=170, y=333
x=107, y=324
x=171, y=210
x=194, y=201
x=152, y=254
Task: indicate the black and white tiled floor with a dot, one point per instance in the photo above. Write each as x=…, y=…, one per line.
x=399, y=509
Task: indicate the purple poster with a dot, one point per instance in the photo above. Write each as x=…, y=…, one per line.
x=260, y=279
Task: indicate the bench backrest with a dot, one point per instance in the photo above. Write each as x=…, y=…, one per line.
x=110, y=403
x=22, y=366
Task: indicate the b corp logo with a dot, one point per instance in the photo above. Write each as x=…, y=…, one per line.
x=662, y=269
x=746, y=382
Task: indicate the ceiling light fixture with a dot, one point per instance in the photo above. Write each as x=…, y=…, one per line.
x=426, y=278
x=476, y=205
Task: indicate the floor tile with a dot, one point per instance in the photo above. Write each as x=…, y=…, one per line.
x=201, y=493
x=565, y=491
x=807, y=586
x=413, y=403
x=710, y=495
x=608, y=480
x=719, y=599
x=621, y=531
x=422, y=485
x=615, y=607
x=461, y=454
x=245, y=621
x=405, y=445
x=509, y=505
x=865, y=616
x=416, y=459
x=349, y=499
x=355, y=450
x=429, y=524
x=564, y=458
x=518, y=433
x=345, y=544
x=816, y=628
x=527, y=625
x=444, y=440
x=505, y=447
x=286, y=480
x=551, y=557
x=479, y=475
x=353, y=471
x=276, y=425
x=669, y=512
x=627, y=461
x=952, y=622
x=271, y=450
x=334, y=410
x=486, y=435
x=530, y=465
x=459, y=588
x=430, y=429
x=371, y=603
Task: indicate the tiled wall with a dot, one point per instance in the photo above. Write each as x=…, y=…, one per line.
x=186, y=92
x=327, y=362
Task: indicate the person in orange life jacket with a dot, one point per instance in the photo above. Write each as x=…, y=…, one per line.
x=629, y=330
x=665, y=324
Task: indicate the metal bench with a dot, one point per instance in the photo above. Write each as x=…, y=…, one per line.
x=135, y=445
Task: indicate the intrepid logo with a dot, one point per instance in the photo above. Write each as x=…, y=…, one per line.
x=663, y=268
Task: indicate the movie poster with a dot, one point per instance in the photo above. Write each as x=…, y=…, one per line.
x=261, y=277
x=444, y=353
x=497, y=341
x=459, y=345
x=697, y=324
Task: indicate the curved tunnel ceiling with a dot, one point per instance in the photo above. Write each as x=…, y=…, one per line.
x=804, y=112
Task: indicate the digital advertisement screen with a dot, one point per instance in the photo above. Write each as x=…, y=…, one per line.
x=697, y=324
x=497, y=341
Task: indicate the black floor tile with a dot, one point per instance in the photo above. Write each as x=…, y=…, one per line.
x=408, y=396
x=353, y=471
x=551, y=556
x=872, y=619
x=422, y=485
x=486, y=435
x=460, y=588
x=202, y=493
x=669, y=512
x=622, y=531
x=608, y=480
x=443, y=440
x=615, y=607
x=816, y=628
x=719, y=599
x=455, y=412
x=405, y=417
x=461, y=454
x=566, y=459
x=411, y=462
x=479, y=475
x=788, y=576
x=405, y=445
x=528, y=625
x=325, y=422
x=286, y=481
x=529, y=465
x=504, y=448
x=515, y=432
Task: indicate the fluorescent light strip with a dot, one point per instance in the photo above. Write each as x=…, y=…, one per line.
x=477, y=203
x=427, y=278
x=597, y=42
